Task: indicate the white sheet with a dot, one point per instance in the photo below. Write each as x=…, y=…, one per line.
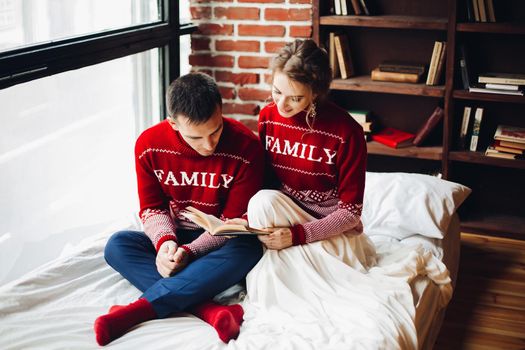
x=55, y=306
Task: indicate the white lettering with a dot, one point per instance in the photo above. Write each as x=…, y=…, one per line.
x=330, y=155
x=268, y=139
x=189, y=181
x=311, y=153
x=227, y=179
x=171, y=178
x=290, y=150
x=212, y=177
x=158, y=174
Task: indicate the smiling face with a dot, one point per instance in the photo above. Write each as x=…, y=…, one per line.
x=290, y=96
x=203, y=138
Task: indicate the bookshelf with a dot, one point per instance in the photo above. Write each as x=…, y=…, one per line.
x=406, y=30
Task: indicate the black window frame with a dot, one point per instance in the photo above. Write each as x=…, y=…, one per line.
x=40, y=60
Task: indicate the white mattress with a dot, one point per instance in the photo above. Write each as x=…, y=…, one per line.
x=55, y=306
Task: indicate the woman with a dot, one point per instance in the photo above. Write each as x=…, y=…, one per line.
x=316, y=152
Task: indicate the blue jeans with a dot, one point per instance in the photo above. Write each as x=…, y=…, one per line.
x=132, y=254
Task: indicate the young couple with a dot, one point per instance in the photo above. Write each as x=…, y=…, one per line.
x=312, y=153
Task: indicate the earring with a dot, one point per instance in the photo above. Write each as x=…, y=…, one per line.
x=311, y=114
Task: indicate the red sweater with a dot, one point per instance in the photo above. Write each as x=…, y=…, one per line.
x=322, y=169
x=171, y=176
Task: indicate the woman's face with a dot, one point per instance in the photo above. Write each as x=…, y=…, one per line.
x=290, y=96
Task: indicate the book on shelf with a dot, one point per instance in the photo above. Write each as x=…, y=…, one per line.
x=344, y=57
x=394, y=138
x=378, y=75
x=492, y=152
x=502, y=78
x=360, y=115
x=401, y=67
x=429, y=125
x=476, y=87
x=508, y=87
x=491, y=15
x=464, y=67
x=482, y=11
x=332, y=55
x=217, y=227
x=478, y=117
x=510, y=133
x=441, y=63
x=434, y=63
x=337, y=7
x=470, y=11
x=356, y=7
x=465, y=122
x=475, y=9
x=502, y=148
x=515, y=145
x=366, y=10
x=344, y=7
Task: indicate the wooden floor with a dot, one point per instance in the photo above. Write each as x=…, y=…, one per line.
x=487, y=310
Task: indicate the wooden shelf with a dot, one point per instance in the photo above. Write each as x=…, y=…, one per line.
x=478, y=96
x=365, y=83
x=399, y=22
x=500, y=225
x=480, y=158
x=497, y=28
x=432, y=153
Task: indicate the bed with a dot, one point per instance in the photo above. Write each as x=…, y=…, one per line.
x=397, y=302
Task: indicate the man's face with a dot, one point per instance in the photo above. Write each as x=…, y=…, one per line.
x=203, y=138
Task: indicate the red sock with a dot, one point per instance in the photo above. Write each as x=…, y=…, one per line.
x=226, y=319
x=116, y=308
x=113, y=325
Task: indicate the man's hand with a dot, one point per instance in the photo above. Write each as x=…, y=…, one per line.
x=165, y=258
x=181, y=259
x=280, y=238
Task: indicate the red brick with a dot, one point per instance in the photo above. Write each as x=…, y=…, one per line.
x=200, y=12
x=202, y=70
x=237, y=12
x=300, y=1
x=250, y=123
x=301, y=31
x=240, y=108
x=237, y=45
x=261, y=30
x=211, y=61
x=200, y=44
x=273, y=46
x=227, y=93
x=208, y=1
x=253, y=62
x=275, y=14
x=237, y=78
x=250, y=94
x=215, y=29
x=263, y=1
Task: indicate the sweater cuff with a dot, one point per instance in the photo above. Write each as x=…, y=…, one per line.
x=191, y=256
x=298, y=235
x=164, y=239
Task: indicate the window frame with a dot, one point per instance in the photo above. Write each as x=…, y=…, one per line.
x=40, y=60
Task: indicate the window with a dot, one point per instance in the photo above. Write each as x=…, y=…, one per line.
x=74, y=98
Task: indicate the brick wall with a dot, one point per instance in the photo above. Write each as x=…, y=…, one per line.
x=235, y=42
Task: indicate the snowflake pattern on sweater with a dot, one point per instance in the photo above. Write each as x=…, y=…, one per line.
x=321, y=168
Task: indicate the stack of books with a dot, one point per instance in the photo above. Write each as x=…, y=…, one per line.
x=509, y=143
x=480, y=11
x=364, y=119
x=397, y=71
x=349, y=7
x=500, y=83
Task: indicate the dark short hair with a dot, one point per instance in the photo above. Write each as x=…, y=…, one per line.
x=305, y=62
x=195, y=96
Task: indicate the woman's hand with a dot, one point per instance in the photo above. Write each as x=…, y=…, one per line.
x=164, y=261
x=280, y=238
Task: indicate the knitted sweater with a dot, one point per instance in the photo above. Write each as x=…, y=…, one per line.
x=171, y=176
x=322, y=170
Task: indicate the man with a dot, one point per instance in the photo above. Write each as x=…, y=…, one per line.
x=196, y=157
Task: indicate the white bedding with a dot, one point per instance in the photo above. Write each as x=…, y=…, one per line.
x=54, y=308
x=331, y=300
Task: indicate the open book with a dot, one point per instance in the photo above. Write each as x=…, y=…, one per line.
x=216, y=226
